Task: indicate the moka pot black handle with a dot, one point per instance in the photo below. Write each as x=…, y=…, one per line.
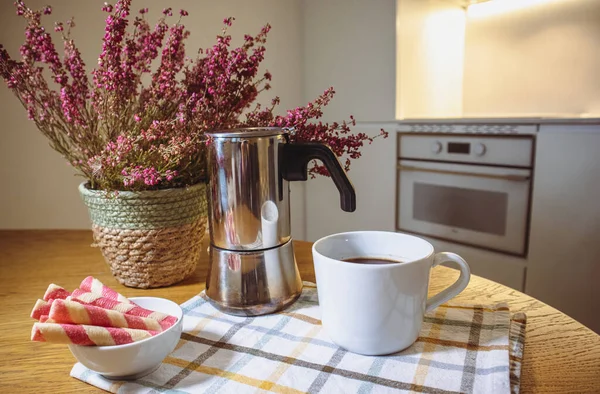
x=294, y=167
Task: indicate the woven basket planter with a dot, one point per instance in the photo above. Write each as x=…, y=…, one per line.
x=148, y=238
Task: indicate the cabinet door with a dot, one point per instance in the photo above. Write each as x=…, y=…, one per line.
x=564, y=252
x=499, y=267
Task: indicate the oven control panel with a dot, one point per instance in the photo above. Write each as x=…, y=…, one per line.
x=465, y=148
x=485, y=149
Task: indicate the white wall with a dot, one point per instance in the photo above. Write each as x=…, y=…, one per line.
x=374, y=180
x=537, y=57
x=500, y=58
x=350, y=45
x=430, y=54
x=38, y=189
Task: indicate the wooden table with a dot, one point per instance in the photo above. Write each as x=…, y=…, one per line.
x=561, y=355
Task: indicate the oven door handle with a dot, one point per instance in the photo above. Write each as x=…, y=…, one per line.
x=506, y=177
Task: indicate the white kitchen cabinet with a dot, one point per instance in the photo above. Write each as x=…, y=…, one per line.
x=499, y=267
x=563, y=267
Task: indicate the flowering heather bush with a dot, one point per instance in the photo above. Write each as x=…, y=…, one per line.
x=122, y=134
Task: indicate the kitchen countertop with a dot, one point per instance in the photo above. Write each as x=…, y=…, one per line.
x=561, y=355
x=504, y=120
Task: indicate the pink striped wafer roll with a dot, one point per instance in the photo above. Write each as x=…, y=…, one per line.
x=93, y=285
x=40, y=308
x=55, y=292
x=87, y=335
x=71, y=312
x=81, y=296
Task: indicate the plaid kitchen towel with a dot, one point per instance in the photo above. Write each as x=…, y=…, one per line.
x=461, y=349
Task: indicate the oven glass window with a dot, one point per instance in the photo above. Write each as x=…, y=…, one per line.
x=471, y=209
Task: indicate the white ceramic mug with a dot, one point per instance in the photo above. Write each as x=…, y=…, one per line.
x=377, y=309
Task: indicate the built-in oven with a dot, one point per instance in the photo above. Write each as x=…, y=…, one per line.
x=472, y=189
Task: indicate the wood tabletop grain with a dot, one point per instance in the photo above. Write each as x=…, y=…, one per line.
x=561, y=355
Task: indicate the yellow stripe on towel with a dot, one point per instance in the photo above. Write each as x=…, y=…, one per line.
x=276, y=388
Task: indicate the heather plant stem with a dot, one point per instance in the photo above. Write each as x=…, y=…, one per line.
x=52, y=135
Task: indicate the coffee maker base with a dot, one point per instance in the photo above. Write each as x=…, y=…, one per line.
x=253, y=283
x=256, y=310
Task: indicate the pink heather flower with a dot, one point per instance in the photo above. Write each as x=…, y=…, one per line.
x=98, y=126
x=164, y=82
x=69, y=109
x=147, y=45
x=20, y=7
x=58, y=26
x=266, y=28
x=112, y=75
x=170, y=174
x=76, y=68
x=47, y=10
x=38, y=46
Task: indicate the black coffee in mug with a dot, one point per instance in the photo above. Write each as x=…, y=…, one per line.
x=370, y=260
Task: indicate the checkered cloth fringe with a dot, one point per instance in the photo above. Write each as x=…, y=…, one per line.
x=461, y=349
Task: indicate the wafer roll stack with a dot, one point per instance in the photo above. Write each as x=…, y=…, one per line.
x=55, y=292
x=71, y=312
x=87, y=335
x=94, y=315
x=83, y=297
x=93, y=285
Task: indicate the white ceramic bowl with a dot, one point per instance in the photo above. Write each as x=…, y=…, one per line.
x=134, y=360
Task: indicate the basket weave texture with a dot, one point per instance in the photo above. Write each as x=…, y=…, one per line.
x=148, y=238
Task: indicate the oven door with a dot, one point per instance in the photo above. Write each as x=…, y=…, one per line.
x=482, y=206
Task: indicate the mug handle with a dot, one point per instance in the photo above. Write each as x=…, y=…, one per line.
x=454, y=288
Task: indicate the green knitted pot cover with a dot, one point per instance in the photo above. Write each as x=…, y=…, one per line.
x=149, y=238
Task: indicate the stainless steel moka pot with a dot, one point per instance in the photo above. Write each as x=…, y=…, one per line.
x=252, y=269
